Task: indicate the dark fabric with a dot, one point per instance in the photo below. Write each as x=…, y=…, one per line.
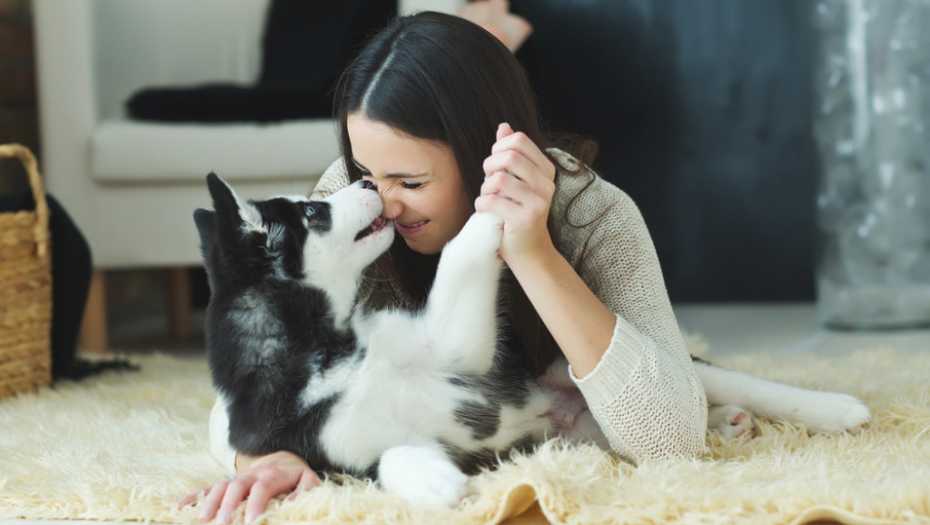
x=228, y=103
x=71, y=271
x=309, y=43
x=702, y=111
x=305, y=47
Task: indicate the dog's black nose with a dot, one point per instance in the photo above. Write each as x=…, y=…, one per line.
x=368, y=185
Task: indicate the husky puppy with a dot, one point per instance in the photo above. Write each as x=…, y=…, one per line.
x=417, y=401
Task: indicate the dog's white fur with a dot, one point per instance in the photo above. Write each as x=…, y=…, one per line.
x=403, y=377
x=817, y=411
x=404, y=374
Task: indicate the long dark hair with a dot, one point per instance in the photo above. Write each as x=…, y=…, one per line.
x=441, y=78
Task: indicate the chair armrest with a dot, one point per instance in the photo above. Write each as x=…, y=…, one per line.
x=407, y=7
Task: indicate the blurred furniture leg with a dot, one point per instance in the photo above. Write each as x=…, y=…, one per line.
x=180, y=322
x=94, y=325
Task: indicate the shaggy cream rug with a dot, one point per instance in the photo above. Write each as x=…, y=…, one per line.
x=127, y=446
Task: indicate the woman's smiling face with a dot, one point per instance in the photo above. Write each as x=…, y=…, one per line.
x=418, y=180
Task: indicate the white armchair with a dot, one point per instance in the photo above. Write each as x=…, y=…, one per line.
x=131, y=186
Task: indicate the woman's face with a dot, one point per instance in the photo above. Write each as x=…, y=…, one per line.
x=418, y=180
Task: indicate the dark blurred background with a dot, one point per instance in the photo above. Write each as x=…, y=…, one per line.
x=702, y=111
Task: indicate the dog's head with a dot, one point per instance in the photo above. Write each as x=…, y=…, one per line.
x=319, y=243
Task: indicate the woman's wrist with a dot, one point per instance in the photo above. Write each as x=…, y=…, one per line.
x=245, y=462
x=533, y=258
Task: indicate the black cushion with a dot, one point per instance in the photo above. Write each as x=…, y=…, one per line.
x=305, y=46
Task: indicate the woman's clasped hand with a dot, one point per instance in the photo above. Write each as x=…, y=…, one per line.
x=519, y=184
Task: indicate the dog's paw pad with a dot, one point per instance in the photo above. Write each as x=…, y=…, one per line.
x=730, y=422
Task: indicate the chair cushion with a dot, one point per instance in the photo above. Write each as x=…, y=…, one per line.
x=132, y=151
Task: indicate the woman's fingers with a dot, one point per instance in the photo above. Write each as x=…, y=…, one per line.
x=211, y=503
x=512, y=162
x=518, y=190
x=499, y=205
x=507, y=139
x=265, y=488
x=503, y=130
x=506, y=185
x=308, y=480
x=236, y=491
x=519, y=166
x=270, y=475
x=192, y=497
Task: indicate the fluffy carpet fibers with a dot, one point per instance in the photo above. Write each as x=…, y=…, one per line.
x=127, y=446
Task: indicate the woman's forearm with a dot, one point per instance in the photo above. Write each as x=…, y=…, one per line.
x=578, y=321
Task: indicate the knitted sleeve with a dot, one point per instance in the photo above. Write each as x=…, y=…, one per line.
x=333, y=179
x=644, y=393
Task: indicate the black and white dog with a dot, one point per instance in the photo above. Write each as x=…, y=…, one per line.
x=416, y=400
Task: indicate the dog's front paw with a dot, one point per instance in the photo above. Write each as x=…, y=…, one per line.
x=481, y=235
x=423, y=476
x=835, y=413
x=729, y=422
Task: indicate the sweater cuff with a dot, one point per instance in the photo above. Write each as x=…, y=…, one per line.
x=613, y=372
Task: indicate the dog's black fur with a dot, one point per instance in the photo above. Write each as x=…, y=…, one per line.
x=258, y=299
x=263, y=416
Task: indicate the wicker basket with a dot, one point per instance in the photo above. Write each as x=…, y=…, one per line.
x=25, y=288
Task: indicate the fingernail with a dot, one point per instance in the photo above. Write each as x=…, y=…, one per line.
x=203, y=516
x=249, y=518
x=223, y=518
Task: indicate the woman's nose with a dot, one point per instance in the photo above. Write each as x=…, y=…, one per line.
x=392, y=207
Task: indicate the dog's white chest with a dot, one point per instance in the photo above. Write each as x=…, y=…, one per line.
x=385, y=406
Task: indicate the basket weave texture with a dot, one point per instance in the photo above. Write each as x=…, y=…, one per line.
x=25, y=288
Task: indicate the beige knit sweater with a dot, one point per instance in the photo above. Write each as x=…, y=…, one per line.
x=644, y=393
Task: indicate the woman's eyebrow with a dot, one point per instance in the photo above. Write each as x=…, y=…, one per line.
x=391, y=175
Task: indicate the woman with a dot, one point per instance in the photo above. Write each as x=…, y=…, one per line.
x=428, y=112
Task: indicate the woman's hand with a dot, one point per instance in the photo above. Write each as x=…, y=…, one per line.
x=519, y=184
x=259, y=480
x=496, y=18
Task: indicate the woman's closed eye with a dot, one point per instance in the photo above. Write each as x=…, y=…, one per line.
x=403, y=184
x=365, y=174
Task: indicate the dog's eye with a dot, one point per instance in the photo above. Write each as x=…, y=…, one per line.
x=309, y=211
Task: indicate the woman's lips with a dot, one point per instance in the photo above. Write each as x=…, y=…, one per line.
x=411, y=228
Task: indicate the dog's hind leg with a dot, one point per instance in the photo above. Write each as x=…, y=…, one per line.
x=818, y=411
x=460, y=319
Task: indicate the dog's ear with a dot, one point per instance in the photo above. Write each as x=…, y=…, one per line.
x=231, y=210
x=204, y=219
